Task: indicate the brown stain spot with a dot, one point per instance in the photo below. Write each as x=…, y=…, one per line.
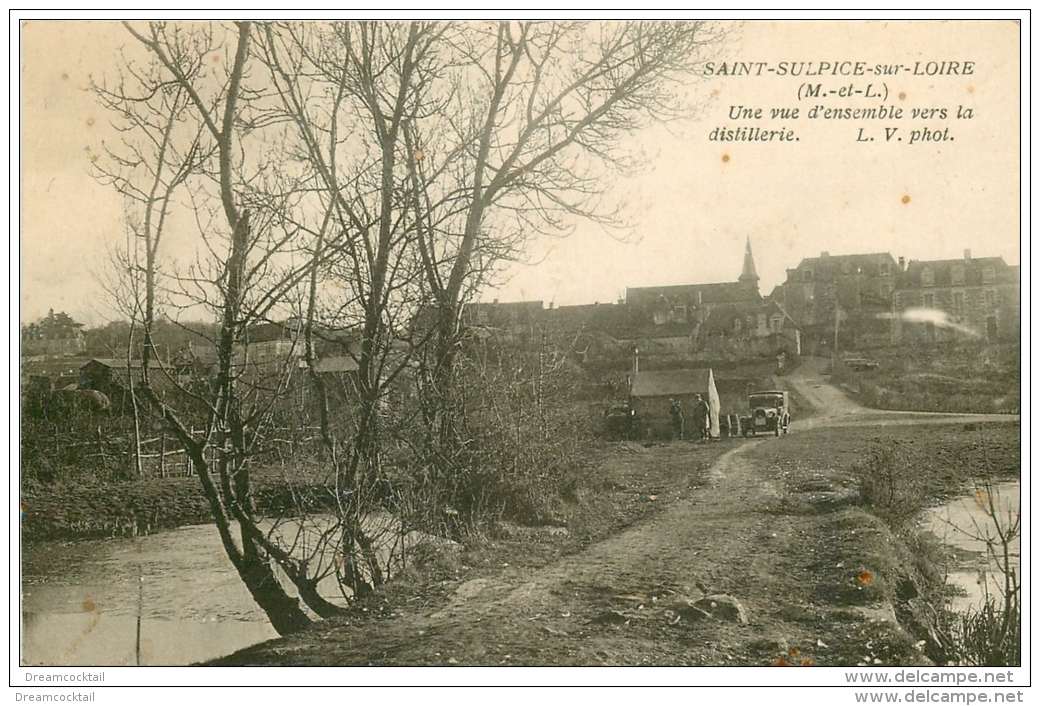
x=216, y=58
x=86, y=89
x=89, y=606
x=971, y=89
x=865, y=577
x=725, y=158
x=906, y=198
x=902, y=96
x=90, y=122
x=64, y=75
x=715, y=93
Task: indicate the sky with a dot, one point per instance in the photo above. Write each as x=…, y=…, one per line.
x=694, y=206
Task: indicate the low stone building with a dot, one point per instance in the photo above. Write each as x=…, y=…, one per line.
x=652, y=391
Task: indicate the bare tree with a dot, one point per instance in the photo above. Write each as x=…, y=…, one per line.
x=532, y=131
x=185, y=117
x=366, y=178
x=349, y=91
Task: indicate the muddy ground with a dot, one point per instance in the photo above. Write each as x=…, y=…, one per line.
x=744, y=553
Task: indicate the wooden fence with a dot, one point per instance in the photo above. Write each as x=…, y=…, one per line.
x=163, y=456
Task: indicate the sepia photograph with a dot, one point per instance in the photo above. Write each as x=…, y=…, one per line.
x=520, y=342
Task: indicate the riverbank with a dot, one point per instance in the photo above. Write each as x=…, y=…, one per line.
x=76, y=511
x=771, y=558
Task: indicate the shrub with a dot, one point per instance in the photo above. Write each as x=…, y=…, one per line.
x=888, y=484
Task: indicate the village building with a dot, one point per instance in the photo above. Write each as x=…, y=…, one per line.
x=980, y=298
x=116, y=378
x=716, y=321
x=652, y=393
x=845, y=295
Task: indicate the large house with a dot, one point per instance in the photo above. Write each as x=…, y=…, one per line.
x=847, y=294
x=977, y=297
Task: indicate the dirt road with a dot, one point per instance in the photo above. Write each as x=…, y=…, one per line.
x=762, y=562
x=833, y=408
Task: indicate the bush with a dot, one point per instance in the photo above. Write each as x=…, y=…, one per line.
x=888, y=484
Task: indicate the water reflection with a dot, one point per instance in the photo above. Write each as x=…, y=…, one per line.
x=168, y=598
x=965, y=523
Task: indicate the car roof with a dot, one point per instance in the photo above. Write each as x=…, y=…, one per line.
x=770, y=392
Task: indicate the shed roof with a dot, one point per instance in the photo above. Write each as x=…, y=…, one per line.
x=121, y=363
x=661, y=383
x=336, y=364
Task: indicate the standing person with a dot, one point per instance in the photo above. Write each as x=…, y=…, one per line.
x=677, y=418
x=700, y=418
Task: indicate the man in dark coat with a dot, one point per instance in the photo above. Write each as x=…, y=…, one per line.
x=677, y=418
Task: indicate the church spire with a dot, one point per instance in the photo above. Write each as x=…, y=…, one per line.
x=748, y=276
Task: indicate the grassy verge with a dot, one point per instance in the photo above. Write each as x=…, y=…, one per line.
x=888, y=480
x=970, y=378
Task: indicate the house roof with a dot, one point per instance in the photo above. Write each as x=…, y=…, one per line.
x=121, y=364
x=942, y=271
x=721, y=318
x=713, y=293
x=662, y=383
x=336, y=364
x=593, y=317
x=829, y=267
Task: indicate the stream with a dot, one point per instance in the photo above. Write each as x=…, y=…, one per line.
x=964, y=523
x=82, y=602
x=170, y=598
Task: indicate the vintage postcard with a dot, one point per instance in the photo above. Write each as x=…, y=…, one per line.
x=502, y=342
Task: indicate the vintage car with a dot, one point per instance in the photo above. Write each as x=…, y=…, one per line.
x=860, y=365
x=770, y=412
x=620, y=422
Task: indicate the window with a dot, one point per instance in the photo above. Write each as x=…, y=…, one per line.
x=927, y=280
x=989, y=274
x=991, y=297
x=886, y=290
x=928, y=300
x=736, y=325
x=884, y=269
x=958, y=302
x=777, y=323
x=957, y=274
x=807, y=274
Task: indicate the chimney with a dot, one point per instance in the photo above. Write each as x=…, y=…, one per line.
x=496, y=301
x=967, y=254
x=902, y=264
x=825, y=254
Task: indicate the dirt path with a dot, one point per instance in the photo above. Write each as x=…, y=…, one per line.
x=760, y=563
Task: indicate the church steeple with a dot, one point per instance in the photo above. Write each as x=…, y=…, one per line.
x=748, y=276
